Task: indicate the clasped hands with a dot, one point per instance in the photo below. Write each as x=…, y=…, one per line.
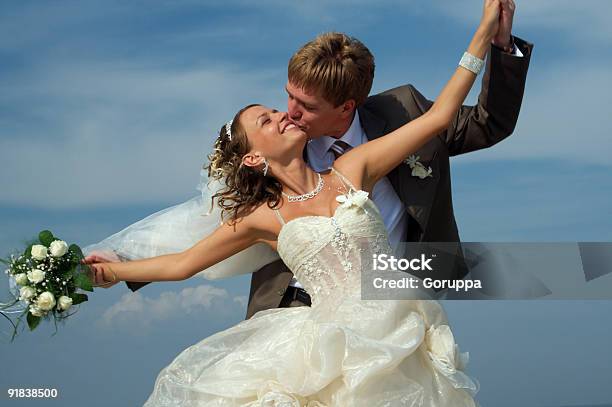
x=100, y=265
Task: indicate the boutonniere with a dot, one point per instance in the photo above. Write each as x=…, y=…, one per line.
x=358, y=198
x=418, y=169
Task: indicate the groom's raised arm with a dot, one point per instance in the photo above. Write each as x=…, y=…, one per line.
x=499, y=102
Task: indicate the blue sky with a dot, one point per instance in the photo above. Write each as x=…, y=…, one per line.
x=108, y=108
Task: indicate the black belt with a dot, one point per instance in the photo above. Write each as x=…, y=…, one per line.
x=297, y=293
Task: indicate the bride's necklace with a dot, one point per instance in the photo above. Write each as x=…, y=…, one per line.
x=308, y=195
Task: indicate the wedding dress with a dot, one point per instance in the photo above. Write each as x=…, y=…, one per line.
x=342, y=351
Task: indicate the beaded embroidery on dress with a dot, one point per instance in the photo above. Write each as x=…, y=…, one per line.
x=342, y=351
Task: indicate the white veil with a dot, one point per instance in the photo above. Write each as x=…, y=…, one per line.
x=179, y=227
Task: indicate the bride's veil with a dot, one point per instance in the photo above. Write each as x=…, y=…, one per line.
x=179, y=227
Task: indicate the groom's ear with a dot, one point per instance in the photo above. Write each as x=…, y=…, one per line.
x=347, y=108
x=252, y=159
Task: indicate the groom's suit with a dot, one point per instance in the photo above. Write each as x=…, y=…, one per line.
x=428, y=201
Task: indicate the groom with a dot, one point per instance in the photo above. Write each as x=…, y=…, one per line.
x=329, y=80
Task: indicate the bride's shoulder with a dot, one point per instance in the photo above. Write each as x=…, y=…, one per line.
x=261, y=218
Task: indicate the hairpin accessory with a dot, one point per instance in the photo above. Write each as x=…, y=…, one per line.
x=228, y=129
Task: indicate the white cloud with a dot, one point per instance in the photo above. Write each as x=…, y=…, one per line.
x=139, y=311
x=108, y=134
x=242, y=301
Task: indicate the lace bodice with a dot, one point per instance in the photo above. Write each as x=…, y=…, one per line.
x=327, y=254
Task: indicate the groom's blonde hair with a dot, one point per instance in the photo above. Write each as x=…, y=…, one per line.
x=335, y=66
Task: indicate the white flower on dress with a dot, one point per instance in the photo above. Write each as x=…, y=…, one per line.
x=358, y=198
x=418, y=169
x=446, y=358
x=443, y=350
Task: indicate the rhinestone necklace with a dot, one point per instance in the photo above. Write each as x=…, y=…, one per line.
x=308, y=195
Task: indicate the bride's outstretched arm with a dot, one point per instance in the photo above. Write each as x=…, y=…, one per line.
x=224, y=242
x=377, y=158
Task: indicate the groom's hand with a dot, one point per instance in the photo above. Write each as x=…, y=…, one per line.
x=503, y=38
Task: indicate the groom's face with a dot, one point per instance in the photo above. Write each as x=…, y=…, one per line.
x=313, y=114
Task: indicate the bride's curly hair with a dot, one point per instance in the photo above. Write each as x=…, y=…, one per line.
x=245, y=187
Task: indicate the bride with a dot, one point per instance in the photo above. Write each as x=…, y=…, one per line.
x=341, y=351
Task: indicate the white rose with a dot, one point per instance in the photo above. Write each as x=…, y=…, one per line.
x=64, y=302
x=37, y=312
x=39, y=252
x=421, y=172
x=58, y=248
x=21, y=278
x=36, y=276
x=26, y=293
x=45, y=301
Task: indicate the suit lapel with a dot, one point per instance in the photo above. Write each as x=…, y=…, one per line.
x=415, y=193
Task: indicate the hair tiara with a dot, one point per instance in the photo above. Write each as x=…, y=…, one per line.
x=228, y=129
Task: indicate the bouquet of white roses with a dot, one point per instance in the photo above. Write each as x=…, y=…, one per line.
x=44, y=282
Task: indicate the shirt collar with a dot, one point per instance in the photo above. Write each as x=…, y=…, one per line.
x=320, y=146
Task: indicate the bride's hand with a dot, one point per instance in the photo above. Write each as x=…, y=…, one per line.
x=489, y=23
x=98, y=263
x=102, y=275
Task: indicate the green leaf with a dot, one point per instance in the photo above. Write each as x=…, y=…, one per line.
x=28, y=252
x=76, y=250
x=71, y=271
x=46, y=237
x=33, y=321
x=83, y=282
x=78, y=298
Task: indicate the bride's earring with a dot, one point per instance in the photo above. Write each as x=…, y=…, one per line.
x=266, y=166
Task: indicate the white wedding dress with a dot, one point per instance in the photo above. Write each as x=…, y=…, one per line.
x=342, y=351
